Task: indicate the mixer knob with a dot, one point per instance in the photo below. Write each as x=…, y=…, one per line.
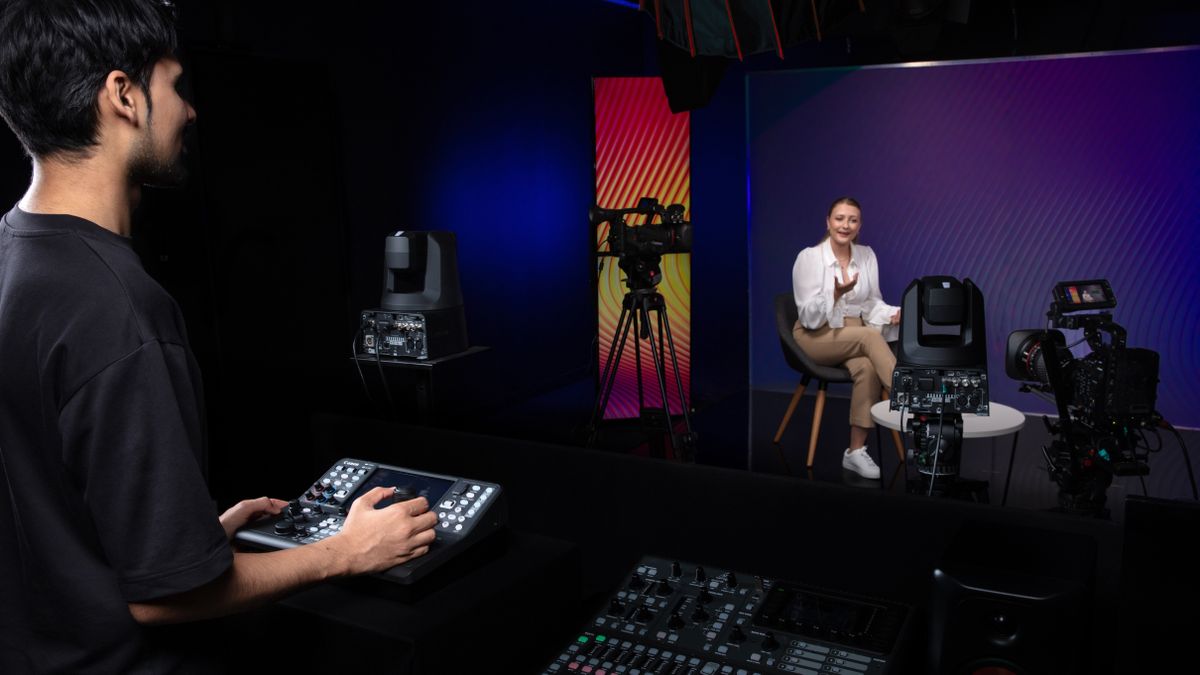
x=769, y=642
x=284, y=527
x=636, y=583
x=731, y=581
x=705, y=597
x=699, y=615
x=642, y=615
x=675, y=622
x=736, y=635
x=663, y=587
x=676, y=569
x=700, y=575
x=616, y=607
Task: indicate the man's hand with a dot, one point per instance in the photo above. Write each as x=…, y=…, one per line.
x=249, y=510
x=374, y=540
x=896, y=318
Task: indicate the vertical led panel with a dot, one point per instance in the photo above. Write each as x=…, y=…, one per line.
x=642, y=150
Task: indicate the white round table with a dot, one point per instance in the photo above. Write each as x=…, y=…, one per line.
x=1002, y=421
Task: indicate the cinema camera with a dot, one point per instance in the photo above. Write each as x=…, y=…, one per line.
x=941, y=372
x=1105, y=400
x=639, y=248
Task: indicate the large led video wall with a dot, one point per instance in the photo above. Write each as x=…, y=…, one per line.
x=1016, y=174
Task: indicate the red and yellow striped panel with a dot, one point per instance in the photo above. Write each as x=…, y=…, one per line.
x=642, y=150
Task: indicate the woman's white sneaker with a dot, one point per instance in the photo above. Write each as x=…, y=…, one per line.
x=860, y=463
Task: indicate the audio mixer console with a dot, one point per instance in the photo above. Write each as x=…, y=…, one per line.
x=687, y=619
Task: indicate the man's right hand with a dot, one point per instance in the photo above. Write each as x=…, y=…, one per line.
x=374, y=540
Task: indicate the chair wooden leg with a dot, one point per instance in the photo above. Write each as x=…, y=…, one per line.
x=895, y=437
x=816, y=423
x=787, y=416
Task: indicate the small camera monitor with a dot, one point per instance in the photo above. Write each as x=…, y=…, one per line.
x=1077, y=296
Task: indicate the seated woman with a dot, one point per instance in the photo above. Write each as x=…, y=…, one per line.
x=844, y=321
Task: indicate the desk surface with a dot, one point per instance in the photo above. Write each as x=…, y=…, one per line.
x=1002, y=421
x=509, y=607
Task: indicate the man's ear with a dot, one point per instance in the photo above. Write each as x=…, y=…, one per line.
x=121, y=96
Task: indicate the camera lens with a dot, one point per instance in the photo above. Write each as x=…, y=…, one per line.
x=1025, y=358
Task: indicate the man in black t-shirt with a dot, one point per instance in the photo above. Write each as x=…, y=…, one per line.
x=106, y=525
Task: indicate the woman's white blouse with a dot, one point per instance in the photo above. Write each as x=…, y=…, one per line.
x=813, y=280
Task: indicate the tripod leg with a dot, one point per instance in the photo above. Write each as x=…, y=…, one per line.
x=611, y=365
x=683, y=403
x=660, y=372
x=637, y=360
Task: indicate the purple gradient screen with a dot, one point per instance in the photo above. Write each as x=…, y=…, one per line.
x=1017, y=174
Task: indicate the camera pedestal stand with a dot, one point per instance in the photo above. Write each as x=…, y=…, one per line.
x=635, y=317
x=937, y=445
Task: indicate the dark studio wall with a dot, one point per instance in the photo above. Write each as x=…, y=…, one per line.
x=321, y=133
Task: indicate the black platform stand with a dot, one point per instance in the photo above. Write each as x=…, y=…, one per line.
x=422, y=391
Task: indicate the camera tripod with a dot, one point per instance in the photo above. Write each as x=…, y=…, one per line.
x=636, y=307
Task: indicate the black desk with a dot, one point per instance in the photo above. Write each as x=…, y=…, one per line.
x=505, y=616
x=411, y=382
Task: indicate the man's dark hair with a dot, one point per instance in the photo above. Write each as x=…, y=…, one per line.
x=55, y=56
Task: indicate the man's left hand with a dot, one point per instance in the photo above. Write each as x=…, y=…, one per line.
x=896, y=318
x=248, y=511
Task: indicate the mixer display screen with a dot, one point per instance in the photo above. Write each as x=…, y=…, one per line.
x=799, y=610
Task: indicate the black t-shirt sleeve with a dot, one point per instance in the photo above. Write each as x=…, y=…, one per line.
x=129, y=434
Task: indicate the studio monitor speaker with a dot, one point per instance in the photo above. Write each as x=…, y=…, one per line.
x=1011, y=600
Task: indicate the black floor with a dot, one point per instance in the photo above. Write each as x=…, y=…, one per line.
x=737, y=432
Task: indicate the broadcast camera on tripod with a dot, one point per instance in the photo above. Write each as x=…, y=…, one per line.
x=639, y=250
x=1105, y=400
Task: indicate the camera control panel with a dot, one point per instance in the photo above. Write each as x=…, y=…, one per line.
x=468, y=511
x=940, y=391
